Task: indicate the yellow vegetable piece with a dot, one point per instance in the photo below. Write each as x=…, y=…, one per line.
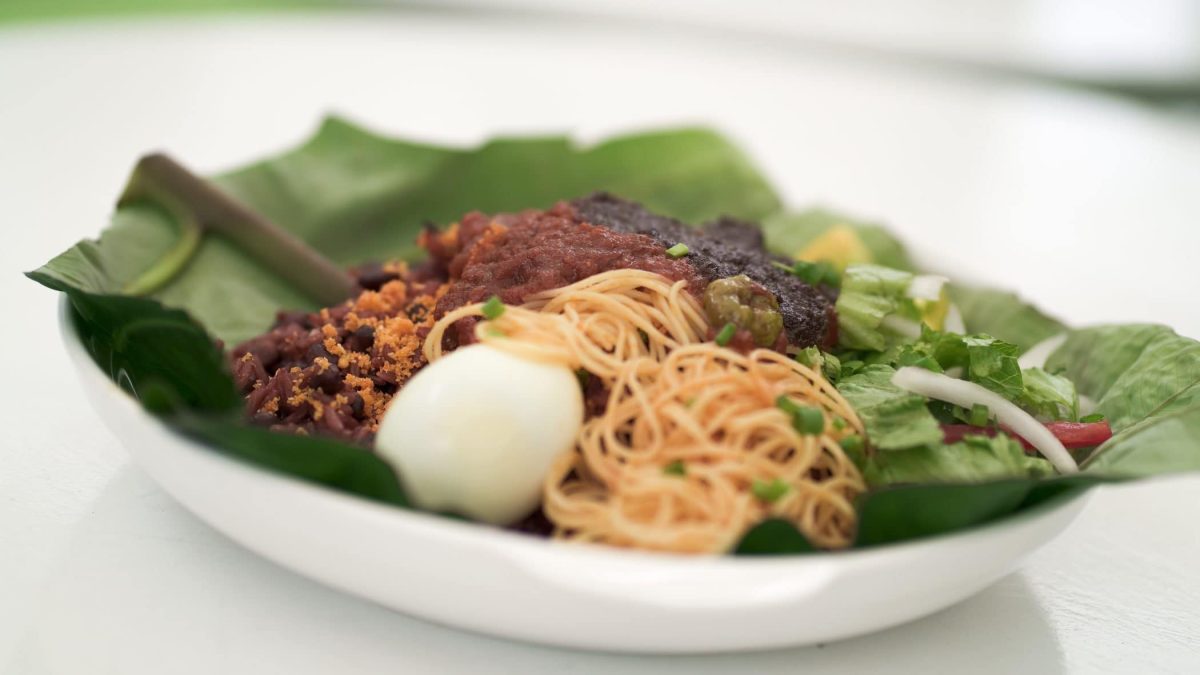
x=839, y=246
x=933, y=312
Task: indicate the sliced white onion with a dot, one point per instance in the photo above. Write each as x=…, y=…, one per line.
x=968, y=394
x=927, y=287
x=901, y=326
x=953, y=323
x=1035, y=356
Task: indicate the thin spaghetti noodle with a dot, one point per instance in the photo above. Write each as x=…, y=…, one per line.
x=597, y=324
x=692, y=448
x=673, y=462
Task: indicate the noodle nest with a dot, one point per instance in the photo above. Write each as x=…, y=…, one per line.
x=693, y=447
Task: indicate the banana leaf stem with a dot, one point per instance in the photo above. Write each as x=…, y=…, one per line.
x=166, y=268
x=199, y=206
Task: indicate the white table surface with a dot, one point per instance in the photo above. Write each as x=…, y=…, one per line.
x=1088, y=204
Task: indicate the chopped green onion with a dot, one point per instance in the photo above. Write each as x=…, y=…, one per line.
x=492, y=309
x=726, y=334
x=691, y=402
x=492, y=331
x=839, y=423
x=852, y=443
x=678, y=250
x=676, y=468
x=809, y=356
x=786, y=404
x=912, y=358
x=806, y=271
x=978, y=417
x=831, y=366
x=769, y=492
x=1095, y=417
x=807, y=420
x=815, y=273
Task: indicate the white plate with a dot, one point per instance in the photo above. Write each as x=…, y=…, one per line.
x=492, y=581
x=1043, y=190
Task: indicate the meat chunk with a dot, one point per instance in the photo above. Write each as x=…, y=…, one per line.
x=724, y=248
x=736, y=232
x=516, y=257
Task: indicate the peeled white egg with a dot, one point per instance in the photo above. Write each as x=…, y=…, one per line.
x=475, y=432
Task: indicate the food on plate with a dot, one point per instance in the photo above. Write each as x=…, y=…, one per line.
x=593, y=369
x=701, y=358
x=690, y=440
x=692, y=401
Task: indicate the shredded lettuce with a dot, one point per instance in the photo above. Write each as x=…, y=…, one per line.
x=870, y=294
x=983, y=359
x=894, y=419
x=972, y=460
x=907, y=439
x=969, y=394
x=992, y=363
x=813, y=357
x=1048, y=396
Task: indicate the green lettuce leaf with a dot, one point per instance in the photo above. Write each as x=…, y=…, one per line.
x=1145, y=379
x=993, y=364
x=1049, y=396
x=974, y=459
x=829, y=365
x=1161, y=444
x=984, y=360
x=1131, y=371
x=869, y=294
x=894, y=419
x=356, y=196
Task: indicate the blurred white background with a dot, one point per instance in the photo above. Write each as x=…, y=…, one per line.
x=1155, y=41
x=1052, y=147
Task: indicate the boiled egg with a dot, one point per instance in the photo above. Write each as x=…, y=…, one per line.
x=475, y=432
